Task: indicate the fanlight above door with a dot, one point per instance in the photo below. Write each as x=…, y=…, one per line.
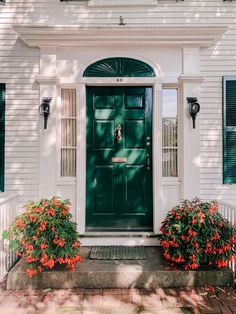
x=119, y=67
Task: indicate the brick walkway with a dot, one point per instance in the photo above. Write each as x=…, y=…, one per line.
x=122, y=301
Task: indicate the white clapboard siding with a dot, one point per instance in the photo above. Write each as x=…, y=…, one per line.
x=19, y=64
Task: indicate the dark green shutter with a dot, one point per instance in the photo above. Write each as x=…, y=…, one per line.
x=229, y=129
x=2, y=135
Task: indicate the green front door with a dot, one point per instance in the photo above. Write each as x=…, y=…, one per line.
x=119, y=158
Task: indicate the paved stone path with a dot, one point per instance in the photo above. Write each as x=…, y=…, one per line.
x=122, y=301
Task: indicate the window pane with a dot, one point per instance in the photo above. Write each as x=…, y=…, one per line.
x=169, y=133
x=68, y=157
x=169, y=162
x=169, y=103
x=68, y=133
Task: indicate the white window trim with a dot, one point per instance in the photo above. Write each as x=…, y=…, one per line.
x=63, y=180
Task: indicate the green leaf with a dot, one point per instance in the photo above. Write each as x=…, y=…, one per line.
x=13, y=245
x=5, y=234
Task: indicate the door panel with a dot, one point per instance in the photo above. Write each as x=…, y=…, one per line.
x=119, y=178
x=135, y=189
x=103, y=188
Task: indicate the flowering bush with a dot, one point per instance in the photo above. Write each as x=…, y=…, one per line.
x=195, y=233
x=45, y=235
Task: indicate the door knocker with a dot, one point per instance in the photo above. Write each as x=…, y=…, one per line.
x=118, y=133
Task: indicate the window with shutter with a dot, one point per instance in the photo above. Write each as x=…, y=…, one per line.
x=2, y=135
x=229, y=129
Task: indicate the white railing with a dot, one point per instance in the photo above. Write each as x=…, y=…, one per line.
x=8, y=211
x=228, y=211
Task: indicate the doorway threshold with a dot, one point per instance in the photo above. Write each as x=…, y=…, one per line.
x=93, y=238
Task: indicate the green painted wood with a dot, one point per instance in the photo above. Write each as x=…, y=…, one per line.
x=119, y=195
x=229, y=129
x=2, y=135
x=119, y=67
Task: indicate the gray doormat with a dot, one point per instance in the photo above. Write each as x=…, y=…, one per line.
x=117, y=252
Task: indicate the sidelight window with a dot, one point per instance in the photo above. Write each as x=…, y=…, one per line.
x=68, y=132
x=170, y=133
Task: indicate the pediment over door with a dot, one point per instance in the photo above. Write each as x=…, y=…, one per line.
x=130, y=36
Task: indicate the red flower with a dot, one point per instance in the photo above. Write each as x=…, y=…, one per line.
x=193, y=266
x=214, y=207
x=76, y=244
x=201, y=216
x=222, y=263
x=166, y=255
x=165, y=244
x=216, y=236
x=192, y=233
x=43, y=246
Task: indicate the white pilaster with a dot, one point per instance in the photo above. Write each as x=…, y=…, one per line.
x=81, y=157
x=48, y=138
x=190, y=82
x=156, y=156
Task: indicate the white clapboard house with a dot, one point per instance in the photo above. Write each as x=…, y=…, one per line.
x=123, y=106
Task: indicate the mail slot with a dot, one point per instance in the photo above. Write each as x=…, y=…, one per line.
x=119, y=159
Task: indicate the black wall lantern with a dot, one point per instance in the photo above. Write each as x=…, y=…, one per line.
x=44, y=109
x=194, y=108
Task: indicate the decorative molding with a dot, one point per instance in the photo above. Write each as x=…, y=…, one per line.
x=47, y=79
x=134, y=36
x=191, y=78
x=119, y=3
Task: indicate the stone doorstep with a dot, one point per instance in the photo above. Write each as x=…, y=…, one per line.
x=96, y=274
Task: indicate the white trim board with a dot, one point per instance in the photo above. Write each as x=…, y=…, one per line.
x=86, y=241
x=81, y=151
x=132, y=36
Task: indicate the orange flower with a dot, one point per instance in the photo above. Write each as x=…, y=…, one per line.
x=30, y=259
x=51, y=212
x=169, y=232
x=33, y=218
x=213, y=208
x=28, y=246
x=60, y=260
x=44, y=258
x=20, y=223
x=201, y=216
x=50, y=263
x=37, y=210
x=61, y=242
x=31, y=272
x=76, y=244
x=43, y=225
x=40, y=269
